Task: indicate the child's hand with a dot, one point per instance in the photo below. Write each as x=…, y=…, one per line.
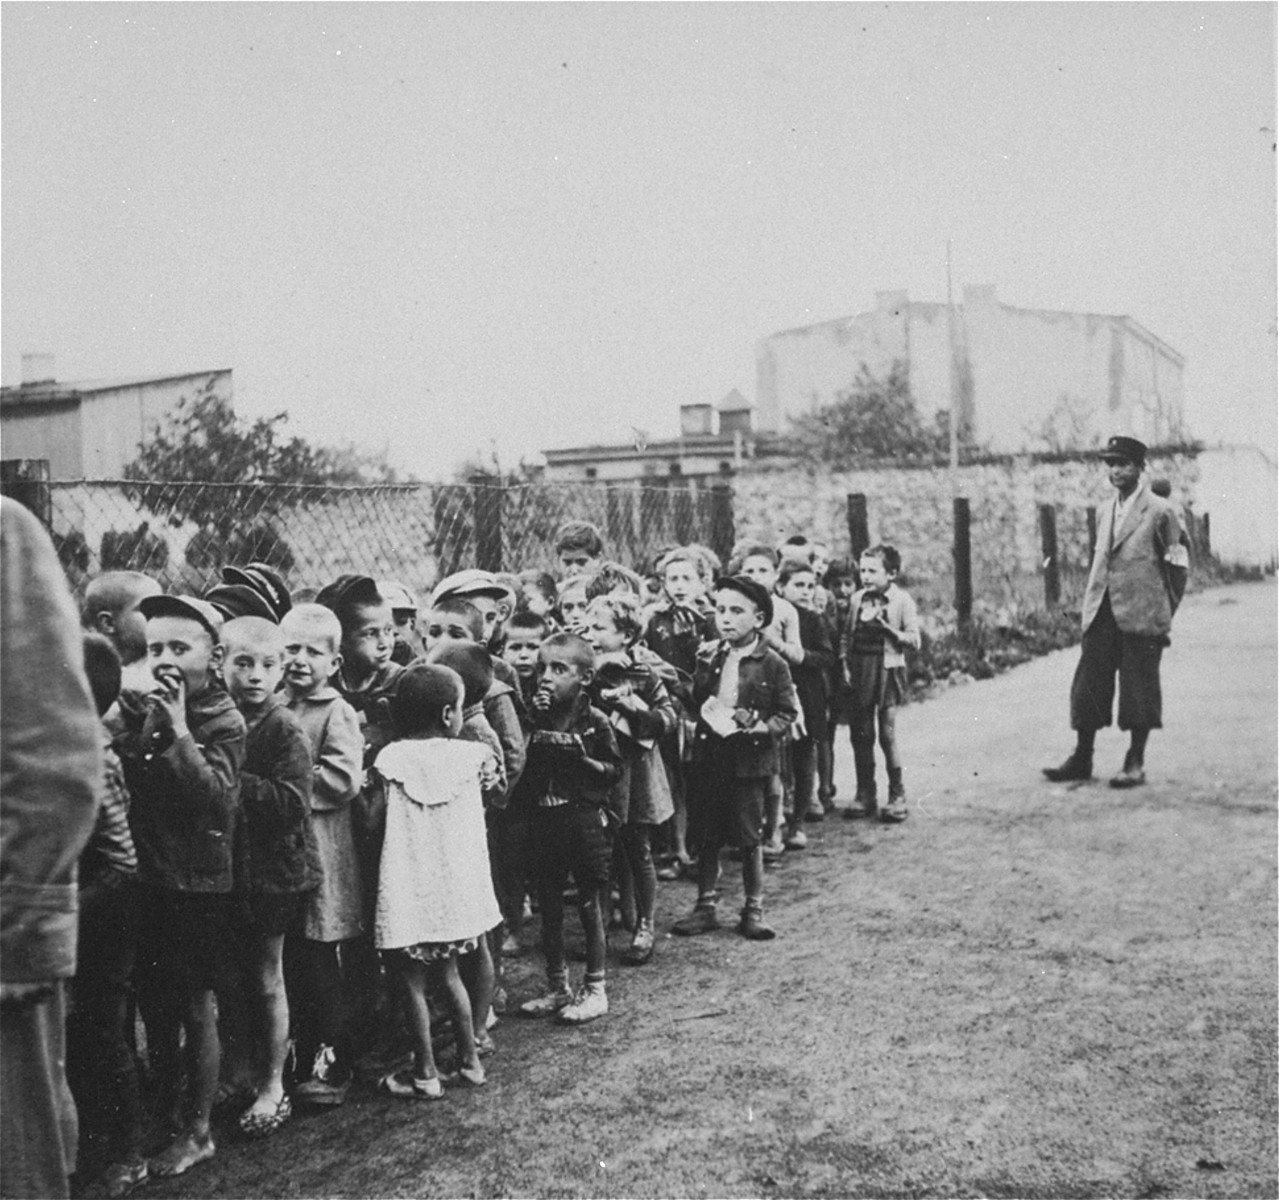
x=169, y=704
x=622, y=697
x=489, y=777
x=541, y=701
x=771, y=640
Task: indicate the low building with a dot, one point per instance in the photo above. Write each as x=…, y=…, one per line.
x=1025, y=379
x=704, y=448
x=91, y=429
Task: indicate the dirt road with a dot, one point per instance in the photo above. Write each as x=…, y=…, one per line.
x=1027, y=990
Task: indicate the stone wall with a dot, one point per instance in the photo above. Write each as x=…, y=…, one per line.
x=912, y=508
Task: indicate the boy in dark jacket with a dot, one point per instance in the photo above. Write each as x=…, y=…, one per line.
x=573, y=763
x=276, y=861
x=182, y=751
x=745, y=701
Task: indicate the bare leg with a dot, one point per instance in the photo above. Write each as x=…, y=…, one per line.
x=411, y=976
x=449, y=982
x=480, y=978
x=272, y=1012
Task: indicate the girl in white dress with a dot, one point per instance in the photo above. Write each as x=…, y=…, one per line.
x=435, y=896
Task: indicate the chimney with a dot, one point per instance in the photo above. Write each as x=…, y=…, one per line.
x=694, y=419
x=37, y=368
x=734, y=414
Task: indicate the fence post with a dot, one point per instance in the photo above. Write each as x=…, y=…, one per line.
x=1207, y=553
x=1092, y=533
x=1052, y=567
x=27, y=481
x=963, y=563
x=721, y=534
x=486, y=491
x=682, y=512
x=858, y=526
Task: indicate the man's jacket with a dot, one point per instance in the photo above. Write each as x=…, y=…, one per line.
x=1139, y=564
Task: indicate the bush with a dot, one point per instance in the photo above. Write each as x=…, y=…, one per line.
x=134, y=550
x=987, y=646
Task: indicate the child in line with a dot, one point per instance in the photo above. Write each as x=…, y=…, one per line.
x=182, y=763
x=538, y=594
x=111, y=609
x=882, y=624
x=366, y=676
x=100, y=1066
x=797, y=581
x=408, y=645
x=460, y=620
x=630, y=694
x=572, y=767
x=573, y=602
x=277, y=859
x=841, y=579
x=525, y=633
x=677, y=627
x=475, y=669
x=759, y=562
x=317, y=970
x=746, y=704
x=578, y=548
x=435, y=900
x=367, y=680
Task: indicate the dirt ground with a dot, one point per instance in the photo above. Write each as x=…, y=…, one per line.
x=1026, y=990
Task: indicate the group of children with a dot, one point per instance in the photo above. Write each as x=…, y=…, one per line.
x=319, y=803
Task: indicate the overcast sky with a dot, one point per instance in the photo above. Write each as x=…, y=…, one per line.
x=449, y=229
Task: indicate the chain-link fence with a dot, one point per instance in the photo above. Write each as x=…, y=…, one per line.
x=181, y=533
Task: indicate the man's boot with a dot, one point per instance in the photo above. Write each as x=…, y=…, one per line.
x=1079, y=765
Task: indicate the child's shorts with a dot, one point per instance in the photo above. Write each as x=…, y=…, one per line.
x=730, y=811
x=872, y=685
x=571, y=839
x=182, y=937
x=266, y=914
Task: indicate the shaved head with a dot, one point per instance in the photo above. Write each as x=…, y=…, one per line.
x=111, y=609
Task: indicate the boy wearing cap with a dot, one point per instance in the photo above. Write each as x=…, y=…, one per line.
x=745, y=699
x=182, y=756
x=408, y=645
x=1138, y=577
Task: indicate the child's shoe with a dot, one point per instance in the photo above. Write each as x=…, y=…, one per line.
x=120, y=1178
x=329, y=1082
x=555, y=997
x=589, y=1004
x=752, y=925
x=894, y=812
x=774, y=848
x=865, y=805
x=796, y=839
x=641, y=948
x=408, y=1086
x=180, y=1156
x=703, y=919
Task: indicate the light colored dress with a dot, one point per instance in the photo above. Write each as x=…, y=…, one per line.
x=435, y=888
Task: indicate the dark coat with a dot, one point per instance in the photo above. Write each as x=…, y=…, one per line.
x=552, y=769
x=812, y=676
x=186, y=795
x=275, y=842
x=767, y=693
